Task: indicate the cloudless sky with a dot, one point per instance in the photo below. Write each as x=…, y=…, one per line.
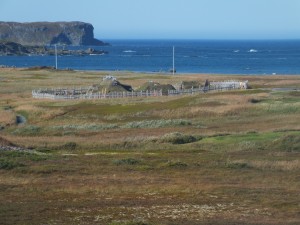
x=171, y=19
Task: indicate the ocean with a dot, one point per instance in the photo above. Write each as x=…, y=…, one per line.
x=191, y=56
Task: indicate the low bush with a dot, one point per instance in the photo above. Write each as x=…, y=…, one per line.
x=287, y=143
x=8, y=165
x=253, y=100
x=127, y=161
x=237, y=165
x=69, y=146
x=178, y=138
x=177, y=164
x=128, y=223
x=22, y=155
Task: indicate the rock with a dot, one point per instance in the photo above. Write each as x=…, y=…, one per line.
x=49, y=33
x=12, y=48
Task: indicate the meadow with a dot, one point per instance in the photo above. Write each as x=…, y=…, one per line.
x=230, y=157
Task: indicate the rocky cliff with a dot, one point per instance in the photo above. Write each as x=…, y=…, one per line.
x=16, y=49
x=49, y=33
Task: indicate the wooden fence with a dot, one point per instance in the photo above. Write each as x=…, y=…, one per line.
x=76, y=94
x=89, y=93
x=201, y=90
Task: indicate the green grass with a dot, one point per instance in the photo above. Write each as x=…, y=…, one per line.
x=158, y=123
x=28, y=130
x=21, y=155
x=105, y=109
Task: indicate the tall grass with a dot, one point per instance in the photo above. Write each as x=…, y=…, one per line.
x=30, y=130
x=158, y=123
x=131, y=125
x=7, y=118
x=279, y=165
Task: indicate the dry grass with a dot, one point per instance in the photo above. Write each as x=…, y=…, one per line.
x=7, y=118
x=282, y=165
x=214, y=158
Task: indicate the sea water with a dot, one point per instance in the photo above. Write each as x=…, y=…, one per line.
x=191, y=56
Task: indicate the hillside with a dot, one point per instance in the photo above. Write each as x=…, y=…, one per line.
x=49, y=33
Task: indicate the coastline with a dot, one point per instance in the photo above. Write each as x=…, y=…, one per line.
x=191, y=57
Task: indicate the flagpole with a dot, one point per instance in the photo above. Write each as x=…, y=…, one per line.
x=55, y=57
x=173, y=60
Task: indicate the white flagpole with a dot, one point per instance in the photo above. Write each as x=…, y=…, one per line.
x=173, y=60
x=55, y=57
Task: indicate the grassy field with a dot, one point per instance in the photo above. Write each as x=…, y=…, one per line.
x=215, y=158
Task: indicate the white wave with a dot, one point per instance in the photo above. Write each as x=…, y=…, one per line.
x=253, y=50
x=236, y=51
x=129, y=51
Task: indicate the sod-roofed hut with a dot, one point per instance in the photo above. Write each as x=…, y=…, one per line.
x=155, y=86
x=189, y=85
x=111, y=84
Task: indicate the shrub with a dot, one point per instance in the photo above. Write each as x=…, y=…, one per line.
x=237, y=165
x=127, y=161
x=253, y=100
x=288, y=143
x=8, y=165
x=21, y=155
x=128, y=223
x=69, y=146
x=176, y=164
x=178, y=138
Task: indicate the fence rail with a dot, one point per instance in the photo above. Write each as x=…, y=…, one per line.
x=201, y=90
x=76, y=94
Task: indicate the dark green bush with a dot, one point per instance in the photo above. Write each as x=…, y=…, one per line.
x=178, y=138
x=237, y=165
x=253, y=100
x=127, y=161
x=8, y=165
x=70, y=146
x=129, y=223
x=177, y=164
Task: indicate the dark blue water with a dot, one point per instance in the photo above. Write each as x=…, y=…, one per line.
x=191, y=56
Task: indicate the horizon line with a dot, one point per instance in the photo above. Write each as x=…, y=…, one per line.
x=205, y=39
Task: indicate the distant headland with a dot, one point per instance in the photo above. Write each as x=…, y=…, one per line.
x=35, y=38
x=49, y=33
